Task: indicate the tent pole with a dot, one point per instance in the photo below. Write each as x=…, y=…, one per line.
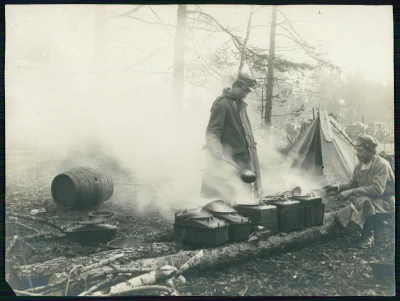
x=343, y=135
x=313, y=114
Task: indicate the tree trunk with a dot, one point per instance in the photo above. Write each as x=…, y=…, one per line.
x=212, y=258
x=64, y=264
x=270, y=83
x=179, y=58
x=243, y=54
x=241, y=252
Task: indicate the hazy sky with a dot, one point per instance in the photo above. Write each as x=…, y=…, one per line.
x=354, y=37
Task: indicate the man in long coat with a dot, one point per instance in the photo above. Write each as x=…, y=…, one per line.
x=370, y=191
x=229, y=136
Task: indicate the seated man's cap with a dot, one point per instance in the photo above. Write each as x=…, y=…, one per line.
x=367, y=141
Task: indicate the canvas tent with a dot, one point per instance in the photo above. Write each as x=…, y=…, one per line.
x=323, y=151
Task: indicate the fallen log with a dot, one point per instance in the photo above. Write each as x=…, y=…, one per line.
x=64, y=264
x=240, y=252
x=225, y=255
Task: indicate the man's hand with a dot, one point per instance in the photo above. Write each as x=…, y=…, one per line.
x=330, y=188
x=345, y=194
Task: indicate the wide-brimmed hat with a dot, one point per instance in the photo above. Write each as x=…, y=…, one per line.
x=250, y=82
x=367, y=142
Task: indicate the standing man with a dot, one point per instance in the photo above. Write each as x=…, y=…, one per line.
x=229, y=136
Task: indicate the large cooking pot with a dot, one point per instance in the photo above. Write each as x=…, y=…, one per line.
x=92, y=231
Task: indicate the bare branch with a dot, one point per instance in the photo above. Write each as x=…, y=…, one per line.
x=294, y=40
x=134, y=10
x=281, y=80
x=148, y=22
x=159, y=19
x=294, y=30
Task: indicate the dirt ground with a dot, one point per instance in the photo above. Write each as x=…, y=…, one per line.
x=333, y=268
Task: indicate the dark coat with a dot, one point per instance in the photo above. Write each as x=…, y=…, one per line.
x=228, y=133
x=225, y=132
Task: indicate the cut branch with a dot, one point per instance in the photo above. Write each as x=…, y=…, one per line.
x=63, y=264
x=36, y=219
x=25, y=226
x=137, y=290
x=97, y=286
x=151, y=278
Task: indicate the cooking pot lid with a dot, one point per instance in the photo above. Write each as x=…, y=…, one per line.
x=248, y=205
x=100, y=213
x=219, y=206
x=197, y=213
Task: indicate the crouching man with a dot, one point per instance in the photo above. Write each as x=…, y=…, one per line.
x=370, y=191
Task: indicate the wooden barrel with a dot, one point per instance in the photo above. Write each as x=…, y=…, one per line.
x=81, y=188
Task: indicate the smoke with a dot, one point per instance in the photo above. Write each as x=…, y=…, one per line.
x=121, y=122
x=133, y=133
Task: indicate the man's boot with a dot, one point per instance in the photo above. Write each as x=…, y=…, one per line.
x=367, y=237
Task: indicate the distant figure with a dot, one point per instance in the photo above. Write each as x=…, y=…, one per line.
x=332, y=115
x=370, y=191
x=356, y=129
x=292, y=131
x=229, y=135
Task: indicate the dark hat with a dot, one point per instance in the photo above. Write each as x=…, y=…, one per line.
x=247, y=80
x=367, y=141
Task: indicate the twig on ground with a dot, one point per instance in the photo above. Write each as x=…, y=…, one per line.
x=36, y=219
x=97, y=286
x=22, y=225
x=44, y=235
x=28, y=244
x=170, y=284
x=11, y=244
x=114, y=270
x=101, y=263
x=191, y=262
x=138, y=289
x=25, y=293
x=113, y=266
x=46, y=287
x=71, y=275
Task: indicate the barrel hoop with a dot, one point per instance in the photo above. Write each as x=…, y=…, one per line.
x=102, y=188
x=90, y=183
x=76, y=181
x=111, y=183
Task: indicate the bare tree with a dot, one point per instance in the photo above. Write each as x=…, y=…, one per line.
x=242, y=56
x=179, y=57
x=268, y=104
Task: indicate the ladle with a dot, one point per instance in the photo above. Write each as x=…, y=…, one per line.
x=246, y=175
